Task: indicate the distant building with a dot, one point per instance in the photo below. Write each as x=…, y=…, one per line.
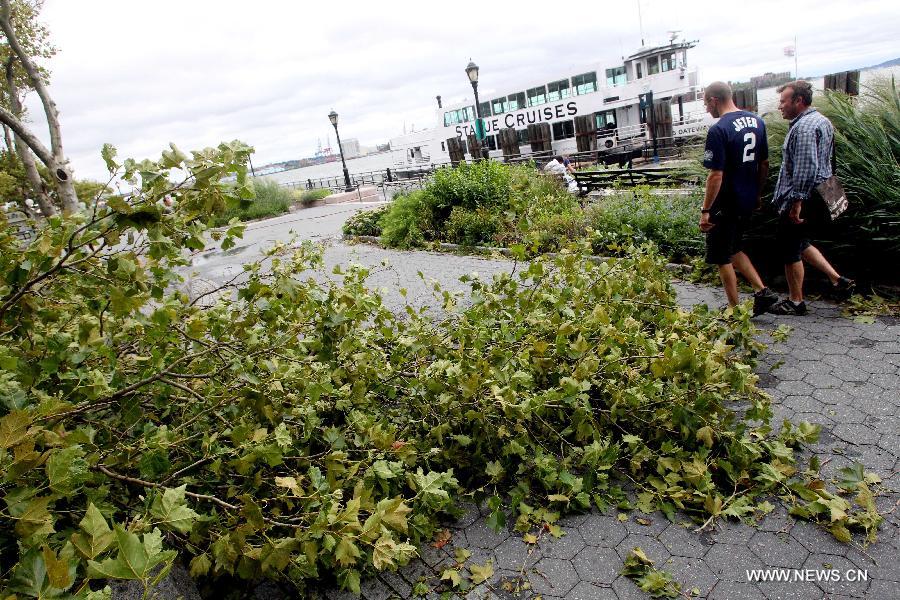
x=351, y=148
x=766, y=80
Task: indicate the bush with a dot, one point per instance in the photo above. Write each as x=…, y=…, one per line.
x=405, y=224
x=470, y=227
x=365, y=222
x=308, y=197
x=668, y=221
x=294, y=428
x=268, y=200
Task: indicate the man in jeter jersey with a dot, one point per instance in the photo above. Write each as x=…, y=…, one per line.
x=737, y=155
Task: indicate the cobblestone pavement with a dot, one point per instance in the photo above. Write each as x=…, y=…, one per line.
x=832, y=371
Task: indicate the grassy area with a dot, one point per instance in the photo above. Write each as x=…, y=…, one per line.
x=270, y=200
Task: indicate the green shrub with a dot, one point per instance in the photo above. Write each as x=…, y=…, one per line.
x=469, y=186
x=269, y=199
x=405, y=224
x=365, y=222
x=635, y=217
x=470, y=227
x=307, y=197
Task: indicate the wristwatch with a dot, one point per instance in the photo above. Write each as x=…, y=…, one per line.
x=704, y=211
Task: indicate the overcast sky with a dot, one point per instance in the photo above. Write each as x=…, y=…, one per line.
x=140, y=74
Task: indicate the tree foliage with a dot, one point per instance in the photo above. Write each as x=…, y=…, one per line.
x=287, y=425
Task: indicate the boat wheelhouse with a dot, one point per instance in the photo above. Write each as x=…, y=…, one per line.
x=611, y=95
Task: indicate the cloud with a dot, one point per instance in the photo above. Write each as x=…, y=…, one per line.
x=139, y=75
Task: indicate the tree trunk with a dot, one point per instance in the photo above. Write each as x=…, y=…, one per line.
x=7, y=136
x=38, y=189
x=57, y=163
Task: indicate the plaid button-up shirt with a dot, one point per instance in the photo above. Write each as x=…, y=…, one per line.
x=805, y=159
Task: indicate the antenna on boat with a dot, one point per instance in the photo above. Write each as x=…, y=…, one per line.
x=641, y=23
x=673, y=35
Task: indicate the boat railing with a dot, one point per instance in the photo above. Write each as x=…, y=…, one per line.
x=623, y=154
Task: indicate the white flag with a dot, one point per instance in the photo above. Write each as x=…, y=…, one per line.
x=790, y=50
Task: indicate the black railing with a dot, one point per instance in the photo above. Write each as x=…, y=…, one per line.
x=622, y=156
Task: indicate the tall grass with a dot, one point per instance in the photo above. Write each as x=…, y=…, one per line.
x=270, y=199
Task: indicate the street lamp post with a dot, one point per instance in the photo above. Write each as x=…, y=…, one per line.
x=472, y=72
x=333, y=117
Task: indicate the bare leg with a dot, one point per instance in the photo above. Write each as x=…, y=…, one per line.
x=818, y=260
x=729, y=282
x=743, y=265
x=794, y=274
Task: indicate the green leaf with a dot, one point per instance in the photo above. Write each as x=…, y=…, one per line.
x=482, y=573
x=67, y=470
x=96, y=536
x=135, y=559
x=200, y=565
x=171, y=510
x=346, y=552
x=393, y=512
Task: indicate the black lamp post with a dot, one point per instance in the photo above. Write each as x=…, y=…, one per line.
x=333, y=116
x=472, y=72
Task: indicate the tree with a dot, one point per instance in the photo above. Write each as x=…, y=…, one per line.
x=25, y=40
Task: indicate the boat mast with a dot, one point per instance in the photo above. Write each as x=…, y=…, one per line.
x=641, y=23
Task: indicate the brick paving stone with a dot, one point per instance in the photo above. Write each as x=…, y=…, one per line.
x=731, y=562
x=842, y=566
x=778, y=550
x=681, y=542
x=565, y=547
x=790, y=590
x=657, y=525
x=598, y=565
x=513, y=554
x=553, y=576
x=732, y=590
x=479, y=535
x=589, y=591
x=375, y=589
x=602, y=530
x=883, y=590
x=691, y=573
x=651, y=546
x=626, y=589
x=397, y=583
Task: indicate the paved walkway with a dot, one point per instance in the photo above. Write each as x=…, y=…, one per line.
x=833, y=371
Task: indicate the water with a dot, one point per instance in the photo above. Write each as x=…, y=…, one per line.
x=363, y=164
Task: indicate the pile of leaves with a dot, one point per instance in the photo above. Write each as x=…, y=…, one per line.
x=288, y=426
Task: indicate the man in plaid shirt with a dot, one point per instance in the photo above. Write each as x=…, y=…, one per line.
x=806, y=162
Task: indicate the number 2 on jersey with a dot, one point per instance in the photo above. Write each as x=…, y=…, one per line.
x=749, y=145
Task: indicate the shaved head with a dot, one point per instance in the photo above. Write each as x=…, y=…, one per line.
x=718, y=89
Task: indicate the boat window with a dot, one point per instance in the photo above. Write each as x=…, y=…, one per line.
x=491, y=142
x=615, y=76
x=557, y=90
x=523, y=136
x=446, y=119
x=668, y=61
x=563, y=130
x=653, y=65
x=516, y=101
x=585, y=83
x=468, y=113
x=498, y=105
x=605, y=119
x=638, y=71
x=464, y=145
x=537, y=95
x=485, y=108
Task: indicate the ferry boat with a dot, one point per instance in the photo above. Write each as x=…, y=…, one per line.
x=612, y=95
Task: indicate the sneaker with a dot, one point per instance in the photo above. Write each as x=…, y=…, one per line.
x=763, y=300
x=786, y=307
x=844, y=287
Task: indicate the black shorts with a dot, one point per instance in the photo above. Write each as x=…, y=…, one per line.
x=791, y=238
x=725, y=239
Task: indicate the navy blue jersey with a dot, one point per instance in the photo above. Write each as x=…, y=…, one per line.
x=737, y=145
